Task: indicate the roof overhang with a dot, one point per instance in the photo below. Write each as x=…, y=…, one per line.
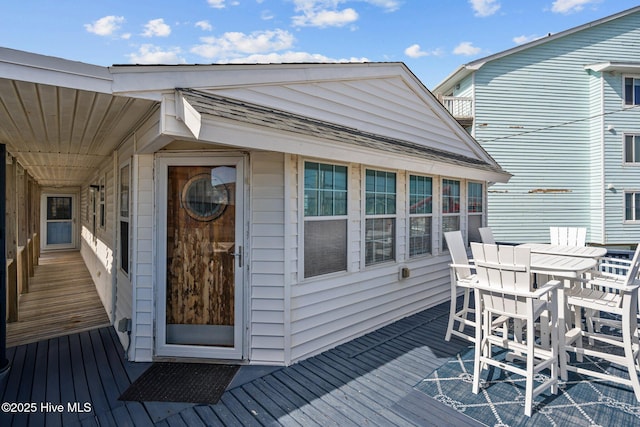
x=609, y=66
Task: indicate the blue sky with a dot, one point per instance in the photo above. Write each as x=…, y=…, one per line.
x=433, y=37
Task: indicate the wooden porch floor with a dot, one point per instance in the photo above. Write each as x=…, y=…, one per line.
x=62, y=300
x=366, y=382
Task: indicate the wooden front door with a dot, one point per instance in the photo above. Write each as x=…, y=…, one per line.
x=202, y=313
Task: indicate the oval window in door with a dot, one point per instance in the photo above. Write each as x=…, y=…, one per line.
x=204, y=197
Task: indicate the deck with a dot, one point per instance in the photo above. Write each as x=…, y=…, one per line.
x=62, y=300
x=368, y=381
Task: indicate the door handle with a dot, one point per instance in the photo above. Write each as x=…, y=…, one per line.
x=239, y=256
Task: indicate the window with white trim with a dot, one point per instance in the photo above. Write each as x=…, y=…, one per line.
x=475, y=203
x=420, y=215
x=325, y=218
x=450, y=207
x=123, y=216
x=101, y=204
x=631, y=91
x=632, y=206
x=380, y=216
x=632, y=148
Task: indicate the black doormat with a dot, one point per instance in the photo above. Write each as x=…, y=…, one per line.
x=181, y=382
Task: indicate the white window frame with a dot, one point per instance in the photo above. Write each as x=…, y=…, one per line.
x=634, y=102
x=124, y=219
x=420, y=215
x=102, y=203
x=365, y=217
x=302, y=218
x=633, y=151
x=458, y=214
x=480, y=214
x=634, y=220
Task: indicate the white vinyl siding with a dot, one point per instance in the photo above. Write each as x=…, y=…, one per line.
x=267, y=261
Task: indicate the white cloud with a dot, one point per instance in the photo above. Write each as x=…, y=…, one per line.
x=156, y=28
x=266, y=15
x=204, y=25
x=525, y=39
x=414, y=51
x=570, y=6
x=216, y=4
x=150, y=54
x=484, y=8
x=388, y=5
x=287, y=57
x=234, y=44
x=325, y=18
x=467, y=49
x=105, y=26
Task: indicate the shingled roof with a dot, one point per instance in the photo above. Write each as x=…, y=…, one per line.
x=220, y=106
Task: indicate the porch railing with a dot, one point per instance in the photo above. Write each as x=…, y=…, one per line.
x=458, y=106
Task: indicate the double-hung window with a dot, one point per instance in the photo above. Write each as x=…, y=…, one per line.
x=631, y=91
x=420, y=214
x=325, y=218
x=632, y=206
x=102, y=203
x=450, y=207
x=632, y=149
x=380, y=216
x=475, y=200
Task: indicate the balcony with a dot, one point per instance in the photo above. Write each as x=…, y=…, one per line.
x=460, y=107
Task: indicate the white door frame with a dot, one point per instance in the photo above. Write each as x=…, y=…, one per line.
x=43, y=221
x=162, y=163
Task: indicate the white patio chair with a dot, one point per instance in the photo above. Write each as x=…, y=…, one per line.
x=487, y=235
x=568, y=236
x=504, y=287
x=617, y=295
x=462, y=276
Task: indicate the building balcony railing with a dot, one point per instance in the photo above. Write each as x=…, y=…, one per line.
x=460, y=107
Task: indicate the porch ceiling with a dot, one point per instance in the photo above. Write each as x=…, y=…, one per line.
x=62, y=135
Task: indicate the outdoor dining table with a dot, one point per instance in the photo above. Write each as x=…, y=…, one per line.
x=566, y=263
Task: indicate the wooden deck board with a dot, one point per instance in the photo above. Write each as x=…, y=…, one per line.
x=368, y=381
x=62, y=300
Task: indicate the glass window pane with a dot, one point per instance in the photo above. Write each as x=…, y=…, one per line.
x=311, y=175
x=475, y=222
x=628, y=206
x=325, y=185
x=420, y=197
x=636, y=149
x=325, y=247
x=420, y=236
x=628, y=91
x=379, y=240
x=124, y=246
x=628, y=148
x=449, y=223
x=636, y=91
x=474, y=197
x=450, y=196
x=636, y=215
x=58, y=208
x=124, y=191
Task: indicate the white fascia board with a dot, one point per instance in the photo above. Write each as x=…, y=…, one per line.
x=142, y=79
x=34, y=68
x=251, y=137
x=186, y=113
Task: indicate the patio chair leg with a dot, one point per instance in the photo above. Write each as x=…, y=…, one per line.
x=452, y=313
x=465, y=308
x=629, y=327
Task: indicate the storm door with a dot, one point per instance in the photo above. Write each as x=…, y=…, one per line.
x=200, y=307
x=59, y=221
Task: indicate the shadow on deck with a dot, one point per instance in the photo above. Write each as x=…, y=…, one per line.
x=62, y=300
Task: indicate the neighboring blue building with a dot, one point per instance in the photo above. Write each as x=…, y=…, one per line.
x=562, y=114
